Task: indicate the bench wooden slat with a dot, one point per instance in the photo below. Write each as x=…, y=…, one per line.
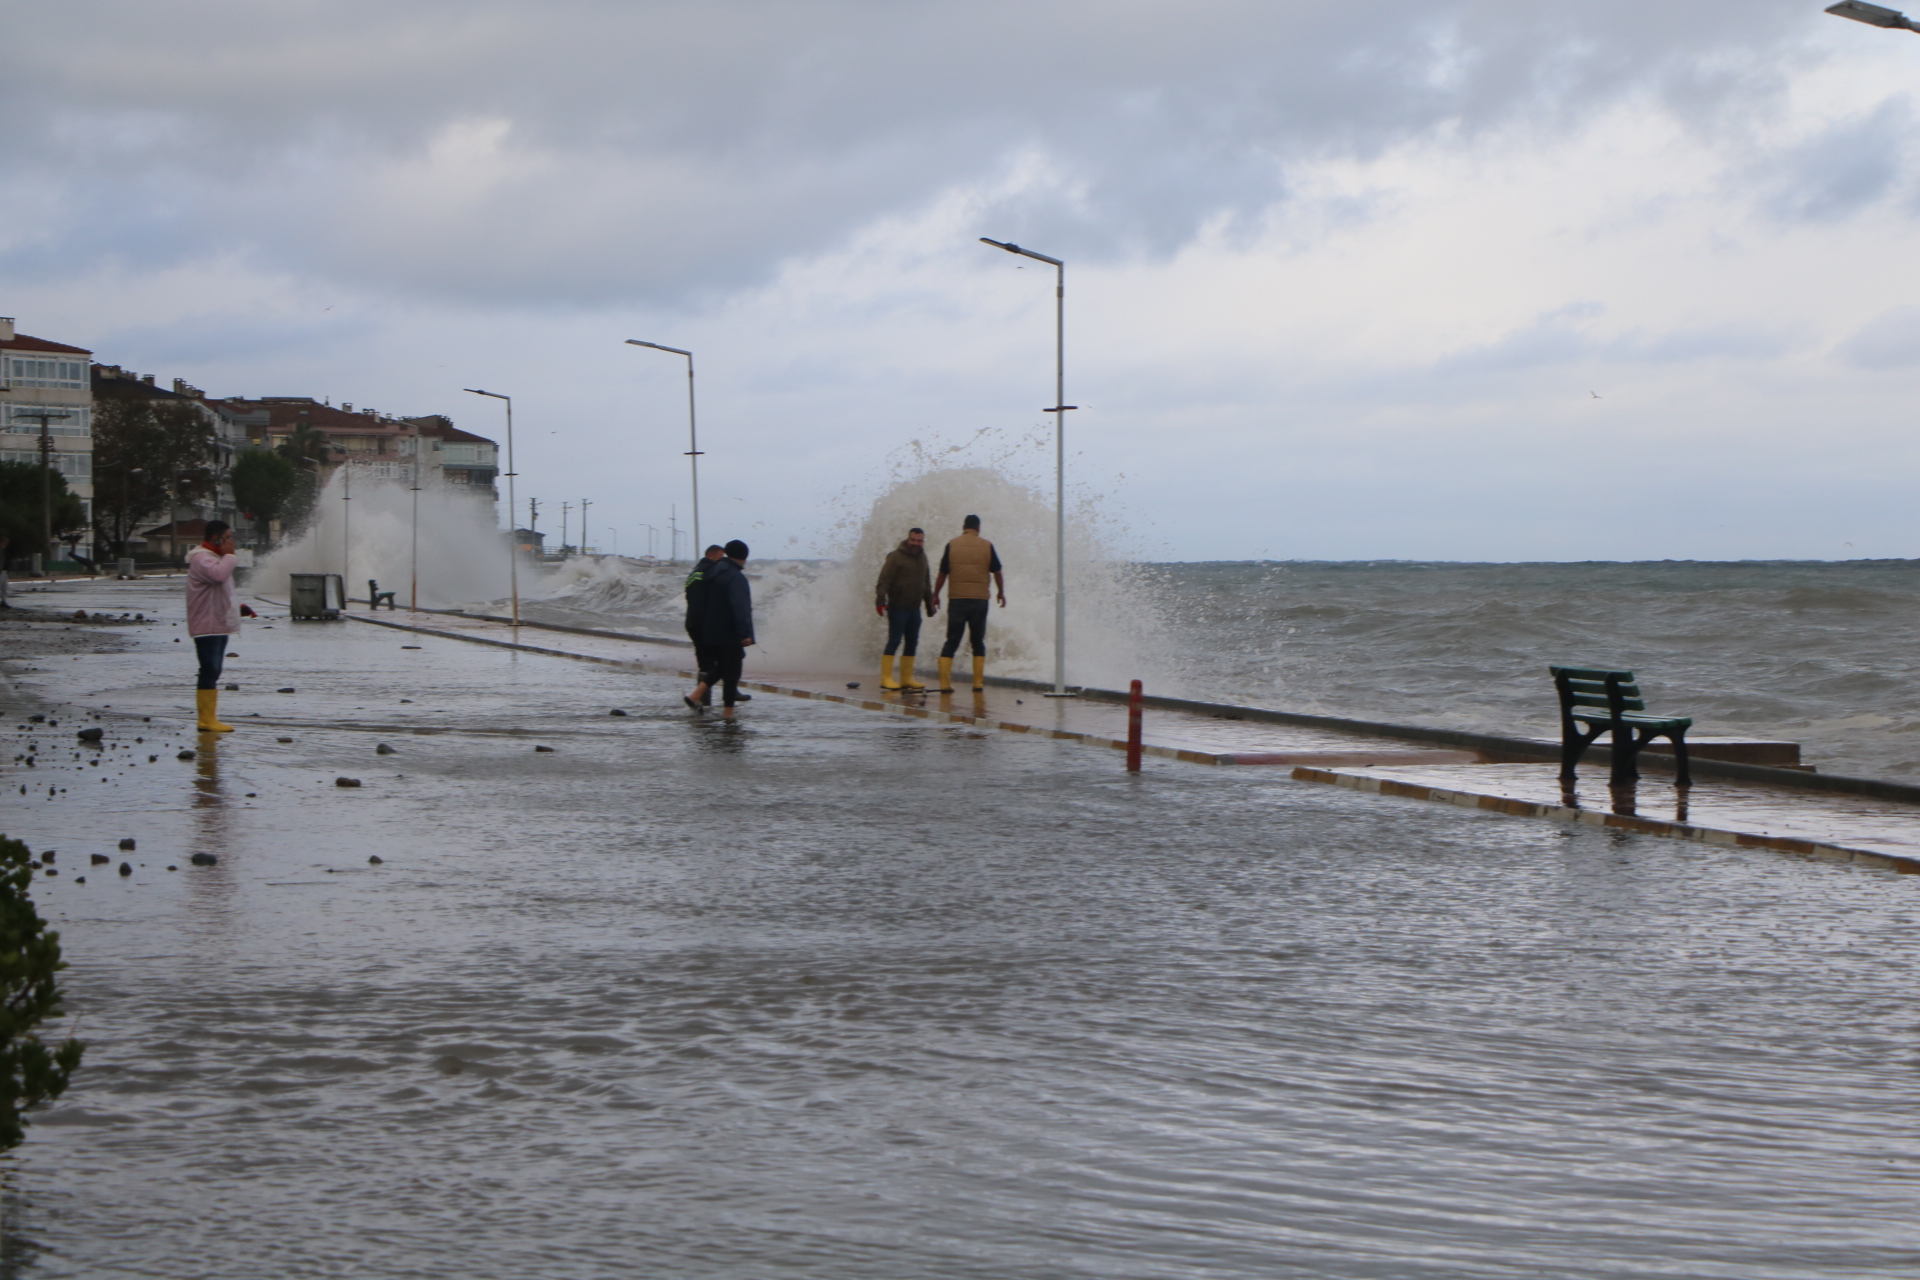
x=1588, y=700
x=1599, y=686
x=1638, y=719
x=1592, y=673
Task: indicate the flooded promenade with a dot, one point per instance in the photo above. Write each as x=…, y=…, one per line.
x=827, y=993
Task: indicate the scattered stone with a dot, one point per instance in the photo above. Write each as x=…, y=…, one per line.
x=171, y=867
x=79, y=615
x=233, y=688
x=409, y=646
x=151, y=759
x=176, y=639
x=128, y=844
x=184, y=755
x=853, y=684
x=98, y=859
x=36, y=719
x=383, y=750
x=283, y=740
x=48, y=855
x=53, y=871
x=405, y=701
x=346, y=782
x=79, y=879
x=616, y=712
x=203, y=859
x=288, y=689
x=252, y=794
x=543, y=748
x=91, y=735
x=375, y=860
x=126, y=868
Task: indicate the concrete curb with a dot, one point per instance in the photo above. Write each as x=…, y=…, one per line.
x=1614, y=821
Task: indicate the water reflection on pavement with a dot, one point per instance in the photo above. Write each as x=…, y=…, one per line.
x=822, y=992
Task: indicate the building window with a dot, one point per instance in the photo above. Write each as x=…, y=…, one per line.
x=74, y=466
x=78, y=422
x=63, y=375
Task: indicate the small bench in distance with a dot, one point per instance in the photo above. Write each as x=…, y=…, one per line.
x=1594, y=701
x=375, y=595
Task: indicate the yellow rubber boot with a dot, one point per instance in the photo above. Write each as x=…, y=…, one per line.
x=886, y=673
x=906, y=674
x=946, y=675
x=979, y=673
x=208, y=701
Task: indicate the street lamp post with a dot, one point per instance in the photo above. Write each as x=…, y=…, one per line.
x=693, y=434
x=1059, y=412
x=1873, y=15
x=513, y=556
x=413, y=598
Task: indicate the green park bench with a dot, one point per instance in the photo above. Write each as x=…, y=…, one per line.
x=375, y=595
x=1594, y=701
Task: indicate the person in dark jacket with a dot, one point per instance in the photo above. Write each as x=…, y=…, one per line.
x=699, y=583
x=729, y=623
x=904, y=589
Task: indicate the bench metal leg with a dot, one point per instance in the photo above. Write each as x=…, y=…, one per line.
x=1573, y=745
x=1625, y=749
x=1683, y=777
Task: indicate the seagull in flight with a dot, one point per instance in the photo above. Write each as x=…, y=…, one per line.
x=1593, y=393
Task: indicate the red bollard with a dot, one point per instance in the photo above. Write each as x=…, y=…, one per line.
x=1133, y=729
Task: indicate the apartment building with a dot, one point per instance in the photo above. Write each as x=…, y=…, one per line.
x=41, y=376
x=378, y=446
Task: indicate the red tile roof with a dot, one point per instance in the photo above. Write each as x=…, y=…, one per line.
x=22, y=342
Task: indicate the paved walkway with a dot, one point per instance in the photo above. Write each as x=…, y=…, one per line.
x=1863, y=830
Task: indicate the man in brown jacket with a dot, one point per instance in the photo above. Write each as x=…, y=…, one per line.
x=905, y=588
x=970, y=561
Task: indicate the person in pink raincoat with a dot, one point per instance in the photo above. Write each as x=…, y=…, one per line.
x=213, y=616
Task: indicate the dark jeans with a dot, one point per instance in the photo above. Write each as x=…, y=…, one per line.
x=213, y=656
x=727, y=661
x=903, y=625
x=969, y=616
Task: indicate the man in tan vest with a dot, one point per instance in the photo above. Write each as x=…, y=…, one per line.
x=970, y=561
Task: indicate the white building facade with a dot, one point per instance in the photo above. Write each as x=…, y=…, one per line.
x=38, y=376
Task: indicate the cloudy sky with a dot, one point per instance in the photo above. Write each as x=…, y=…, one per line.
x=1465, y=279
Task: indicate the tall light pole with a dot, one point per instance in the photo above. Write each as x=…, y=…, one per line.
x=413, y=598
x=1873, y=15
x=513, y=552
x=1059, y=412
x=583, y=526
x=693, y=434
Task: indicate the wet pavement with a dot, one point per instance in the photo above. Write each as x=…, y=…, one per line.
x=823, y=992
x=1884, y=833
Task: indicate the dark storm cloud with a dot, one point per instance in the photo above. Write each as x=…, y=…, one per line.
x=582, y=152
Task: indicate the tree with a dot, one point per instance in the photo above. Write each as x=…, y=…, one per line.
x=129, y=468
x=31, y=1074
x=20, y=507
x=148, y=454
x=265, y=485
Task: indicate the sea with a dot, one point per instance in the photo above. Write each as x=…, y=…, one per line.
x=1821, y=653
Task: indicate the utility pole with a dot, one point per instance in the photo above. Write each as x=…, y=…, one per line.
x=565, y=508
x=533, y=515
x=673, y=534
x=583, y=526
x=46, y=474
